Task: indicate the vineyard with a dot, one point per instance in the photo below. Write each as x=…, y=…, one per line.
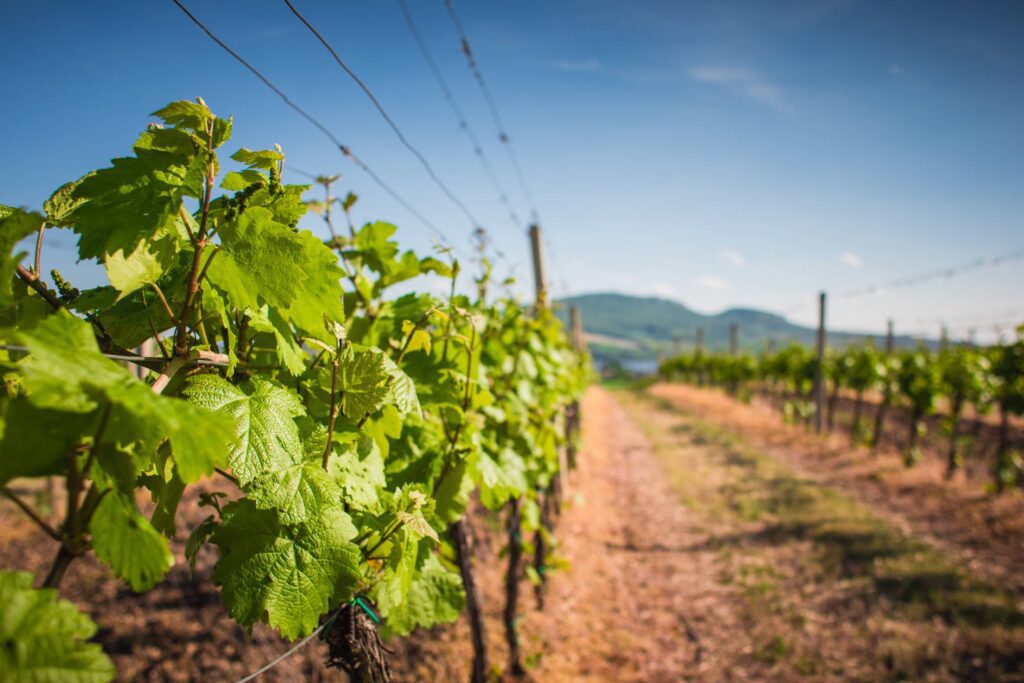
x=903, y=391
x=347, y=430
x=489, y=345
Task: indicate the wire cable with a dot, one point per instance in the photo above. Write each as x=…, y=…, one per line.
x=920, y=278
x=460, y=117
x=937, y=273
x=345, y=150
x=503, y=136
x=387, y=117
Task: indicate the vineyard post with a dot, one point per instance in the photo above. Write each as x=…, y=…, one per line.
x=540, y=288
x=943, y=338
x=819, y=378
x=734, y=338
x=890, y=340
x=515, y=539
x=700, y=338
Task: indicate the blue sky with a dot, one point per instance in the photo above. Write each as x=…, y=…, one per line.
x=719, y=153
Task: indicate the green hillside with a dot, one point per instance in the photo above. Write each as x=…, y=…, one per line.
x=638, y=328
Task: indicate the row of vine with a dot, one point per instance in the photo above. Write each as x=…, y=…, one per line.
x=918, y=380
x=346, y=429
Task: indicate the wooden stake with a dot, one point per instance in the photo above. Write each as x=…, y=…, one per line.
x=576, y=322
x=890, y=339
x=734, y=338
x=540, y=288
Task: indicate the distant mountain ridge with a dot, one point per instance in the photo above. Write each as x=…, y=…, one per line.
x=653, y=326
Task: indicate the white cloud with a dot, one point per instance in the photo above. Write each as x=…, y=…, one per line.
x=732, y=256
x=711, y=282
x=741, y=82
x=573, y=66
x=662, y=289
x=851, y=259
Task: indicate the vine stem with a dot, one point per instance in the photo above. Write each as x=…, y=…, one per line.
x=39, y=248
x=388, y=533
x=32, y=514
x=334, y=406
x=170, y=370
x=33, y=281
x=163, y=300
x=77, y=517
x=199, y=244
x=178, y=362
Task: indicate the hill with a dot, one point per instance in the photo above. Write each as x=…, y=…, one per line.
x=637, y=329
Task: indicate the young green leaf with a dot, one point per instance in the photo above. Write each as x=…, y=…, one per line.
x=285, y=575
x=263, y=414
x=126, y=541
x=44, y=638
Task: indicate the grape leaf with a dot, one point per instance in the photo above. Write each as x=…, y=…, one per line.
x=321, y=293
x=15, y=225
x=262, y=260
x=126, y=541
x=263, y=412
x=298, y=491
x=136, y=200
x=364, y=381
x=44, y=638
x=403, y=391
x=36, y=441
x=66, y=371
x=285, y=575
x=419, y=339
x=434, y=597
x=360, y=472
x=499, y=479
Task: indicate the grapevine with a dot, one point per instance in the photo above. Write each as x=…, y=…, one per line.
x=918, y=380
x=347, y=429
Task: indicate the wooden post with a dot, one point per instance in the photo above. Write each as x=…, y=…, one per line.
x=576, y=323
x=890, y=339
x=943, y=338
x=540, y=288
x=734, y=338
x=819, y=374
x=700, y=338
x=558, y=487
